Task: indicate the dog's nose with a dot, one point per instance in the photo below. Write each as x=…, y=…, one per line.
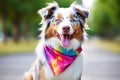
x=66, y=29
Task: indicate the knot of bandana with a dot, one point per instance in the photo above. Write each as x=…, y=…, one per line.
x=59, y=60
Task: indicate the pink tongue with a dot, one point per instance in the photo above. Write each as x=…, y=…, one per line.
x=65, y=41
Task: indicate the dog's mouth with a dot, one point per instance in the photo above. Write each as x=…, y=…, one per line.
x=64, y=38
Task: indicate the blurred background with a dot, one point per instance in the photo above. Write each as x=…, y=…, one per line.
x=19, y=23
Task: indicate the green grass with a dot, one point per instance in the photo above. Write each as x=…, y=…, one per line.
x=112, y=46
x=14, y=48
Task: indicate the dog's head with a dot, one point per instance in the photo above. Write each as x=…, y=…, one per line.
x=66, y=25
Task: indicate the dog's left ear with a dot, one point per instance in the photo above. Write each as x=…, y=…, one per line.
x=48, y=11
x=80, y=10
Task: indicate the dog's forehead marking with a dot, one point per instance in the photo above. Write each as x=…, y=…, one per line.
x=71, y=16
x=64, y=12
x=59, y=15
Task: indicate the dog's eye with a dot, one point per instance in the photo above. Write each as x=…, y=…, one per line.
x=74, y=22
x=58, y=20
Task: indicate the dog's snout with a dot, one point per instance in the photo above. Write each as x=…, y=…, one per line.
x=66, y=29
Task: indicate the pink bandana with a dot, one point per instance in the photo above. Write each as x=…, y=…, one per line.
x=60, y=60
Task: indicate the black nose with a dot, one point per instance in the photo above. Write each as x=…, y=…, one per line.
x=66, y=29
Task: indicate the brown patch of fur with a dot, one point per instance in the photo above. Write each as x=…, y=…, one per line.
x=59, y=16
x=80, y=77
x=28, y=76
x=79, y=12
x=71, y=16
x=77, y=33
x=51, y=32
x=42, y=74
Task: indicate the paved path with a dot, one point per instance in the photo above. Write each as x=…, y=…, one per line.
x=13, y=67
x=98, y=64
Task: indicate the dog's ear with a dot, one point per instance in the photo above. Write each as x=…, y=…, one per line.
x=48, y=11
x=80, y=10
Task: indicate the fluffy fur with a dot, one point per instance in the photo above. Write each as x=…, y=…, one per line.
x=61, y=27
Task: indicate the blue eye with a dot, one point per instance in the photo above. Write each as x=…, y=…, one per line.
x=58, y=21
x=74, y=22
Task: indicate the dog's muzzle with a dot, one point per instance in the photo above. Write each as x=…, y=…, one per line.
x=65, y=37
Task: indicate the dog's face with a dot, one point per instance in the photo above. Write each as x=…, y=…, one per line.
x=64, y=24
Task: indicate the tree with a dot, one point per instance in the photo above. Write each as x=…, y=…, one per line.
x=17, y=12
x=105, y=19
x=22, y=16
x=3, y=14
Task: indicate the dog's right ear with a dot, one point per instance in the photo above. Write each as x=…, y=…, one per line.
x=80, y=10
x=48, y=11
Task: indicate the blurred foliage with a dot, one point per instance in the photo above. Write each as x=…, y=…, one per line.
x=20, y=18
x=66, y=3
x=105, y=19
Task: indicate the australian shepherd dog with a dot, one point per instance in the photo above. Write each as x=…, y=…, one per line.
x=59, y=52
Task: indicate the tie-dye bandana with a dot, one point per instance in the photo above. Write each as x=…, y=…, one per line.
x=59, y=60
